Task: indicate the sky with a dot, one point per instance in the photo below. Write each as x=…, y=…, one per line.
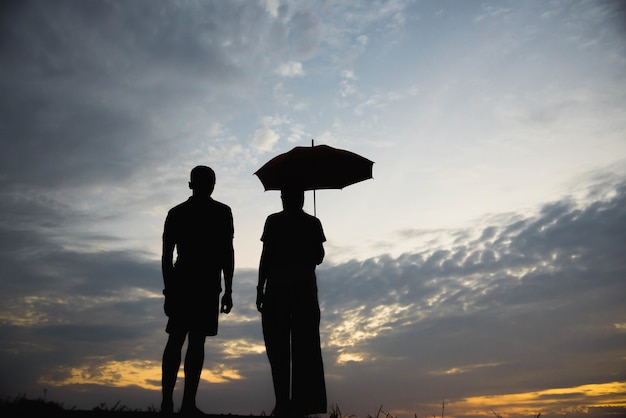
x=482, y=268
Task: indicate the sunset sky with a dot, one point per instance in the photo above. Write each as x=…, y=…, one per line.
x=484, y=265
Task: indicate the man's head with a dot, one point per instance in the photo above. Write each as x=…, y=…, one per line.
x=293, y=198
x=202, y=180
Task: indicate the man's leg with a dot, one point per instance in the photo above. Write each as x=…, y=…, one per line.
x=194, y=360
x=169, y=368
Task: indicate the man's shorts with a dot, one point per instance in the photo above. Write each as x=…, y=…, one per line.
x=195, y=313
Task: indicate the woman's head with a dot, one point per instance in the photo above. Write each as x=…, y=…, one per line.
x=293, y=198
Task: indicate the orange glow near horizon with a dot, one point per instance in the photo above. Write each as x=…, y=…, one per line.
x=558, y=401
x=577, y=400
x=144, y=374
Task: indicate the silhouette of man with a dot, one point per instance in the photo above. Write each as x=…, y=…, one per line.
x=201, y=229
x=287, y=298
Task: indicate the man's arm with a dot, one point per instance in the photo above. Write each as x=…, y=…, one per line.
x=167, y=261
x=228, y=270
x=167, y=269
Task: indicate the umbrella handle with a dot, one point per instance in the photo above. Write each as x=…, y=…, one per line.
x=314, y=203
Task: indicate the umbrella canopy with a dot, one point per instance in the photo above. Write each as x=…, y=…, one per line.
x=314, y=167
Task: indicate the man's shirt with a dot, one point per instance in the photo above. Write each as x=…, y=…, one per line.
x=202, y=230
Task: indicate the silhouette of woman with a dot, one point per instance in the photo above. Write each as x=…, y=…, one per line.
x=287, y=298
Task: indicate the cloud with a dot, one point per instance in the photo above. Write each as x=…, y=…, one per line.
x=348, y=75
x=94, y=93
x=507, y=309
x=56, y=128
x=290, y=69
x=347, y=86
x=266, y=136
x=305, y=33
x=272, y=7
x=525, y=297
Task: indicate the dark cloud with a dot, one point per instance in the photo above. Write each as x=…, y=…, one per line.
x=525, y=298
x=533, y=300
x=94, y=39
x=85, y=81
x=522, y=305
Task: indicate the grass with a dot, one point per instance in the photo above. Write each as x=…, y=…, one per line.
x=21, y=406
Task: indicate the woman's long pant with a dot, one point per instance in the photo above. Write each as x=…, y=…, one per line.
x=291, y=319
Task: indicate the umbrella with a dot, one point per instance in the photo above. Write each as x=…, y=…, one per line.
x=314, y=167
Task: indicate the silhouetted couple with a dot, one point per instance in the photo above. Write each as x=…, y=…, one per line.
x=201, y=230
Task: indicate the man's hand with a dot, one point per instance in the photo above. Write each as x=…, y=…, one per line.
x=259, y=299
x=173, y=304
x=227, y=303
